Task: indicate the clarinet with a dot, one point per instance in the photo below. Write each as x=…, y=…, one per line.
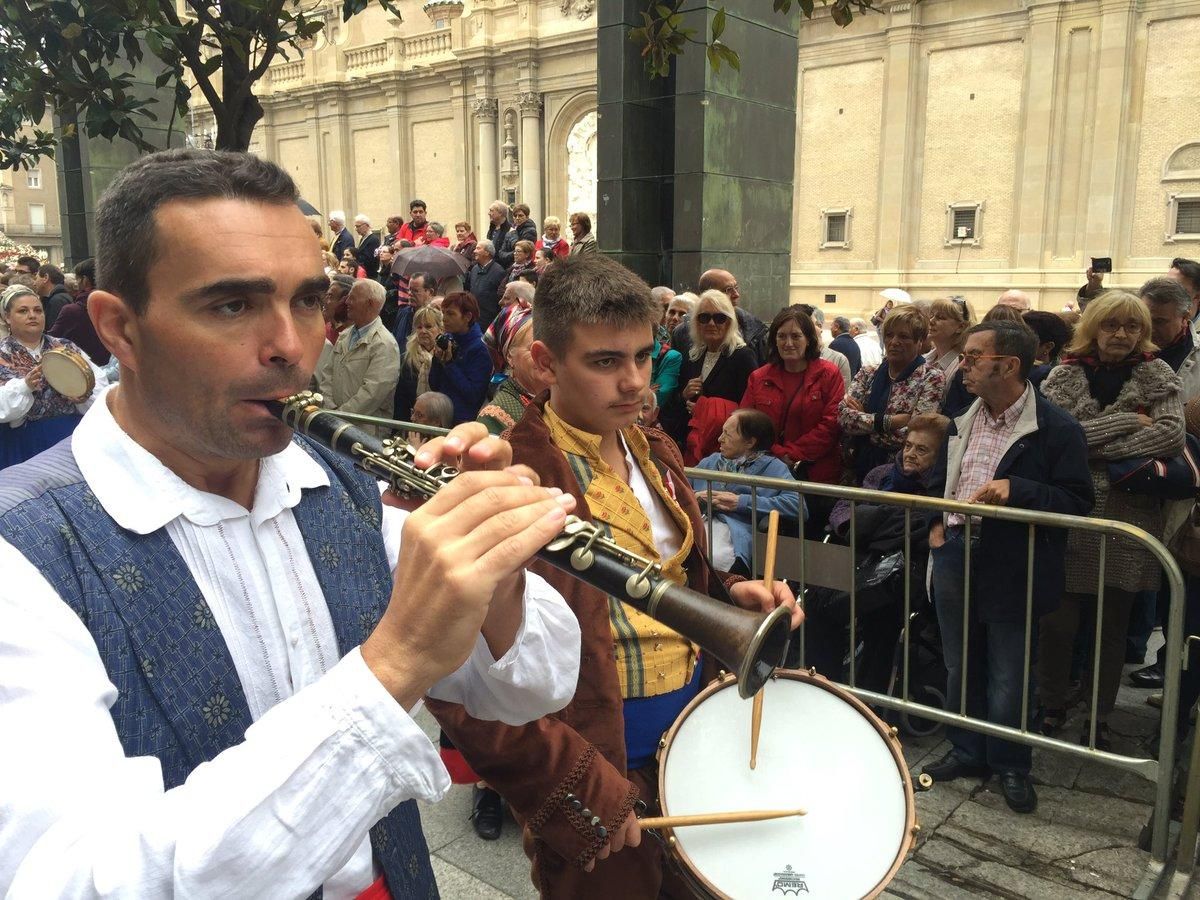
x=751, y=644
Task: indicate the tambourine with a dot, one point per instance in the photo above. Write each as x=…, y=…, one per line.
x=68, y=372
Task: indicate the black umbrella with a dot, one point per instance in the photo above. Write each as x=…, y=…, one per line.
x=437, y=262
x=307, y=208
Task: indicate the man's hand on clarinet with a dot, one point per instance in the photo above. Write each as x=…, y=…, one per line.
x=754, y=595
x=461, y=563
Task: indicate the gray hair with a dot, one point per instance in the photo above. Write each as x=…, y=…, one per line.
x=657, y=293
x=127, y=241
x=375, y=291
x=1163, y=290
x=733, y=337
x=589, y=289
x=488, y=247
x=688, y=298
x=818, y=317
x=860, y=324
x=522, y=289
x=843, y=323
x=499, y=205
x=360, y=219
x=12, y=292
x=345, y=282
x=338, y=216
x=439, y=407
x=437, y=228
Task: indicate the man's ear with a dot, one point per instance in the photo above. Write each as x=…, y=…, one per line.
x=544, y=361
x=116, y=324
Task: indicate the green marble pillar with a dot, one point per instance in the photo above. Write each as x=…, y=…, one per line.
x=695, y=170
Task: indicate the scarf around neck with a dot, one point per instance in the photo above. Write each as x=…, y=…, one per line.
x=882, y=381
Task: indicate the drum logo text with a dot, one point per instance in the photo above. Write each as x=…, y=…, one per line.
x=789, y=882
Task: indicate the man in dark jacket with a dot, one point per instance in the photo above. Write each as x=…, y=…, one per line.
x=74, y=324
x=368, y=246
x=1012, y=447
x=343, y=240
x=50, y=283
x=845, y=344
x=523, y=230
x=485, y=280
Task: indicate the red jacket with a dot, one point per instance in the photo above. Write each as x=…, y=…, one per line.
x=560, y=247
x=806, y=424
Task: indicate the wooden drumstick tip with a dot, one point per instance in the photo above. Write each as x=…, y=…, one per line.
x=728, y=818
x=768, y=578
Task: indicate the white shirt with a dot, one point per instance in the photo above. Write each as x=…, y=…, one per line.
x=16, y=397
x=869, y=349
x=667, y=537
x=330, y=751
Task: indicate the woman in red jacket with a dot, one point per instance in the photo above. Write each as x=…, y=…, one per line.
x=800, y=392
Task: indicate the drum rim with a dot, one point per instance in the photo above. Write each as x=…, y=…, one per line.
x=78, y=361
x=891, y=740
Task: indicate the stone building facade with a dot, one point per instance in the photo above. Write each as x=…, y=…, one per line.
x=459, y=107
x=969, y=146
x=29, y=207
x=943, y=146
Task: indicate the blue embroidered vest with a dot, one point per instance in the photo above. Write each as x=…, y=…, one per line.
x=179, y=697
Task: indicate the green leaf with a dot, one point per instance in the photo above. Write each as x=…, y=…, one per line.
x=842, y=16
x=806, y=7
x=718, y=25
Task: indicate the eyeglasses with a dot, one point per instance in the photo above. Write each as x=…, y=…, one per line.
x=715, y=318
x=1110, y=327
x=970, y=360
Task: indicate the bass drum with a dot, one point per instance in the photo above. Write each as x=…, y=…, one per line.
x=820, y=749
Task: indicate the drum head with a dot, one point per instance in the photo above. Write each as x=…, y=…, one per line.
x=819, y=750
x=68, y=373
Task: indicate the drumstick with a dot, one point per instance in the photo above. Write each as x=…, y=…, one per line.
x=749, y=815
x=768, y=577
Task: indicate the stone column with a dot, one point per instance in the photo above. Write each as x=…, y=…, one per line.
x=530, y=105
x=487, y=158
x=897, y=141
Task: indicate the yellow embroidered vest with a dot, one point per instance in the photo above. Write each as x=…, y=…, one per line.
x=651, y=658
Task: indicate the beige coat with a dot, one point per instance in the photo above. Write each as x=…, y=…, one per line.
x=363, y=379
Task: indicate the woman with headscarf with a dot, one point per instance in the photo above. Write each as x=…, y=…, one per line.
x=33, y=415
x=522, y=381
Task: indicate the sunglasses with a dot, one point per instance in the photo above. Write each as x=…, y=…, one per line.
x=715, y=318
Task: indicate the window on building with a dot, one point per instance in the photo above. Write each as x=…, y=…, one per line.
x=964, y=224
x=835, y=228
x=1187, y=216
x=33, y=178
x=37, y=217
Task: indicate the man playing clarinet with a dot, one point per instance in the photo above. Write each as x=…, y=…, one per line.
x=212, y=636
x=574, y=778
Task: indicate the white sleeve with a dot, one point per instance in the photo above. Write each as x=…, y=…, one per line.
x=16, y=400
x=537, y=675
x=275, y=815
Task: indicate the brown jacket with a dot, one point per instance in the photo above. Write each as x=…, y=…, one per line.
x=581, y=749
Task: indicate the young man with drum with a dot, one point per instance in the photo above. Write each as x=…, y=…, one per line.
x=573, y=778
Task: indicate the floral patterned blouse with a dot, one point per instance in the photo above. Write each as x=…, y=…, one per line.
x=16, y=361
x=920, y=393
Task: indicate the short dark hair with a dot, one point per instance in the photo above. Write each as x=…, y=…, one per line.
x=589, y=289
x=1163, y=291
x=1050, y=328
x=756, y=426
x=427, y=280
x=1189, y=269
x=86, y=269
x=32, y=263
x=464, y=302
x=53, y=273
x=395, y=220
x=1011, y=339
x=415, y=203
x=126, y=234
x=522, y=208
x=802, y=318
x=533, y=276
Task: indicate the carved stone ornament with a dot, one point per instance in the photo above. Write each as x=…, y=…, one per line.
x=529, y=103
x=581, y=8
x=486, y=109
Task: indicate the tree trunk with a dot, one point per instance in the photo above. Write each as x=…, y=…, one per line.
x=236, y=127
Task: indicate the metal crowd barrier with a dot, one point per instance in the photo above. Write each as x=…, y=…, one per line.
x=825, y=559
x=1159, y=771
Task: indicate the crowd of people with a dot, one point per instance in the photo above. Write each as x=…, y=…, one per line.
x=571, y=386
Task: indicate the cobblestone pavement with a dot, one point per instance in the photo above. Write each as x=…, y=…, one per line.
x=1081, y=842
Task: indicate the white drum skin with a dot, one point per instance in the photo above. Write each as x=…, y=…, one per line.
x=820, y=749
x=68, y=372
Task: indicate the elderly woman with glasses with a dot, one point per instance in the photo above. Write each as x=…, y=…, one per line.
x=33, y=415
x=882, y=399
x=713, y=376
x=1129, y=405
